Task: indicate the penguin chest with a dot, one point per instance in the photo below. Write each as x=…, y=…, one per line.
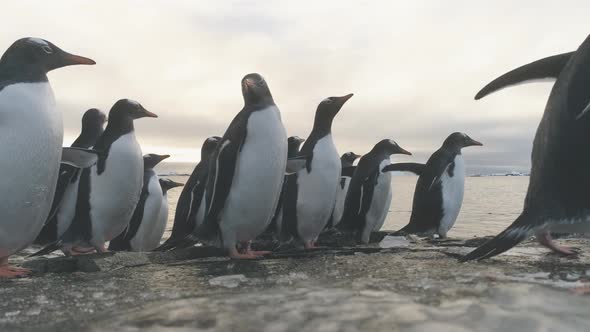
x=115, y=192
x=146, y=237
x=452, y=188
x=258, y=177
x=341, y=192
x=31, y=134
x=380, y=201
x=316, y=189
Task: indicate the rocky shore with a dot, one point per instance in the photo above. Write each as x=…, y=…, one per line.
x=394, y=284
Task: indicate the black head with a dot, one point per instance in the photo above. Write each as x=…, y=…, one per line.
x=36, y=56
x=457, y=141
x=387, y=147
x=348, y=159
x=93, y=118
x=293, y=144
x=209, y=146
x=255, y=90
x=124, y=112
x=151, y=160
x=167, y=184
x=326, y=112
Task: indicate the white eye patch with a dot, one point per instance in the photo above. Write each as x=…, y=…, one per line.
x=327, y=101
x=392, y=142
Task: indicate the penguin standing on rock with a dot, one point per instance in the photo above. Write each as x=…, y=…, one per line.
x=190, y=209
x=369, y=194
x=246, y=172
x=108, y=192
x=557, y=198
x=346, y=160
x=31, y=134
x=439, y=190
x=311, y=192
x=92, y=127
x=148, y=222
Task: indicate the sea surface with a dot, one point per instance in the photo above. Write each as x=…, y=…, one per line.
x=490, y=204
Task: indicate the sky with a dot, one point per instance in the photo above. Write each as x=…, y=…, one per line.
x=414, y=67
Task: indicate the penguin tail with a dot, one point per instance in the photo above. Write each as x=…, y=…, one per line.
x=520, y=230
x=48, y=249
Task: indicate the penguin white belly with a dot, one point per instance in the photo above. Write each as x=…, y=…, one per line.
x=258, y=178
x=200, y=215
x=31, y=133
x=144, y=238
x=379, y=203
x=341, y=192
x=158, y=232
x=452, y=195
x=67, y=209
x=115, y=193
x=316, y=190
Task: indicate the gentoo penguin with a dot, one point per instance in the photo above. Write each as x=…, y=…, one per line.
x=246, y=172
x=276, y=226
x=31, y=133
x=369, y=194
x=559, y=184
x=439, y=191
x=148, y=222
x=92, y=127
x=106, y=194
x=311, y=192
x=346, y=161
x=190, y=209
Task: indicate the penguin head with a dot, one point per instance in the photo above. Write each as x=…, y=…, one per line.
x=348, y=158
x=460, y=140
x=209, y=146
x=40, y=55
x=93, y=118
x=151, y=160
x=330, y=106
x=389, y=147
x=294, y=142
x=167, y=184
x=255, y=90
x=127, y=109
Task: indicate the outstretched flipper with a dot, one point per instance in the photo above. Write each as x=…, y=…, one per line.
x=296, y=164
x=78, y=157
x=521, y=229
x=415, y=168
x=545, y=68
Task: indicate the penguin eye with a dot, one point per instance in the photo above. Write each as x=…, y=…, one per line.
x=328, y=101
x=261, y=83
x=47, y=49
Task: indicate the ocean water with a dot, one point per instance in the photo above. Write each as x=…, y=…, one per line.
x=490, y=204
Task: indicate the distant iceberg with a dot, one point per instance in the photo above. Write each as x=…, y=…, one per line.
x=513, y=173
x=173, y=174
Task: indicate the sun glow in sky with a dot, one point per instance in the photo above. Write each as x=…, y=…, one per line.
x=414, y=66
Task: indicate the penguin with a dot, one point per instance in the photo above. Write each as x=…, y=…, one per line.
x=92, y=127
x=311, y=192
x=106, y=194
x=346, y=161
x=190, y=209
x=276, y=226
x=246, y=172
x=31, y=133
x=439, y=191
x=148, y=222
x=559, y=182
x=369, y=193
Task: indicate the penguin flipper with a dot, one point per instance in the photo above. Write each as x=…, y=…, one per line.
x=521, y=229
x=78, y=157
x=296, y=164
x=549, y=67
x=47, y=249
x=415, y=168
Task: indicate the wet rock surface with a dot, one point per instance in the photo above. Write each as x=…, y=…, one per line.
x=396, y=285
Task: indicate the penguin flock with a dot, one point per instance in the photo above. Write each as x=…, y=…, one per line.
x=254, y=179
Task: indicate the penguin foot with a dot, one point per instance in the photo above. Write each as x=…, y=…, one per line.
x=9, y=271
x=235, y=254
x=582, y=290
x=310, y=245
x=248, y=250
x=546, y=241
x=76, y=251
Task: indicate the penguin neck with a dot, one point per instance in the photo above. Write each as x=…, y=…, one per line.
x=258, y=103
x=13, y=71
x=345, y=163
x=322, y=125
x=114, y=130
x=452, y=148
x=88, y=136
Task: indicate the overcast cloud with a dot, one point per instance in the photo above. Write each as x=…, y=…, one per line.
x=414, y=66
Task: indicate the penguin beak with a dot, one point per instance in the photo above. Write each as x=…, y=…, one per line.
x=174, y=184
x=356, y=155
x=62, y=58
x=472, y=142
x=344, y=99
x=147, y=114
x=403, y=151
x=164, y=156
